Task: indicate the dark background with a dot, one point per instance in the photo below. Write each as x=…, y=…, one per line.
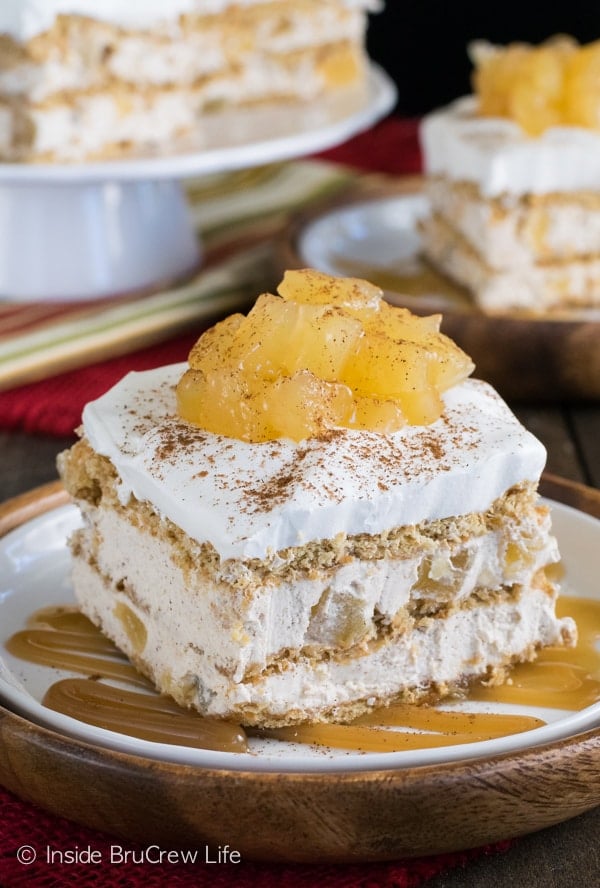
x=422, y=44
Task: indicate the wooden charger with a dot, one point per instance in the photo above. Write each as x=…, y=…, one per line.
x=336, y=817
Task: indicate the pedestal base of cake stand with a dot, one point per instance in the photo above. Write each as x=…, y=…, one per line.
x=87, y=240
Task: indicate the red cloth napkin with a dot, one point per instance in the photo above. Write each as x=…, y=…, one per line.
x=392, y=146
x=27, y=828
x=53, y=406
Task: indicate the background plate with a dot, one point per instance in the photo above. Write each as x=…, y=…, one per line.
x=549, y=357
x=380, y=813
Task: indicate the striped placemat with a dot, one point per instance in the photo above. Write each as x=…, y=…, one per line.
x=238, y=216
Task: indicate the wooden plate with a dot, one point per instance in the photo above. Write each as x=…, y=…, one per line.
x=546, y=357
x=346, y=817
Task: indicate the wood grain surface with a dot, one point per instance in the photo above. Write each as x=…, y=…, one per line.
x=545, y=357
x=302, y=817
x=29, y=505
x=350, y=816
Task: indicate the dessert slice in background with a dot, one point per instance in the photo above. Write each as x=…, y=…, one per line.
x=380, y=540
x=81, y=79
x=513, y=176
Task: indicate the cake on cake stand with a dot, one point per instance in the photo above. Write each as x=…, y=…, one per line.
x=96, y=229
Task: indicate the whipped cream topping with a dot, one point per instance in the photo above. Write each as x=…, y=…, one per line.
x=252, y=500
x=500, y=158
x=24, y=19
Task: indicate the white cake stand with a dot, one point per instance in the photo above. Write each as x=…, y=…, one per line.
x=88, y=230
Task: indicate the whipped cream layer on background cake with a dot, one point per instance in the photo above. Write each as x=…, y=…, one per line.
x=92, y=79
x=515, y=218
x=282, y=582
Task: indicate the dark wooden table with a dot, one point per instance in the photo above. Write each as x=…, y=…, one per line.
x=565, y=855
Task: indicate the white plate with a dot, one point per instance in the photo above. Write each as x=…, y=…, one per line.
x=379, y=240
x=34, y=573
x=379, y=234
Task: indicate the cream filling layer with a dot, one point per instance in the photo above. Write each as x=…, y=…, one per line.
x=210, y=627
x=442, y=651
x=445, y=652
x=515, y=233
x=73, y=131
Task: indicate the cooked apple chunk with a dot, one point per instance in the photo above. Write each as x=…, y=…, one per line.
x=325, y=353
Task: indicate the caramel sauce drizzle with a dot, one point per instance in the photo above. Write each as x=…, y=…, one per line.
x=443, y=728
x=560, y=678
x=563, y=678
x=65, y=639
x=148, y=716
